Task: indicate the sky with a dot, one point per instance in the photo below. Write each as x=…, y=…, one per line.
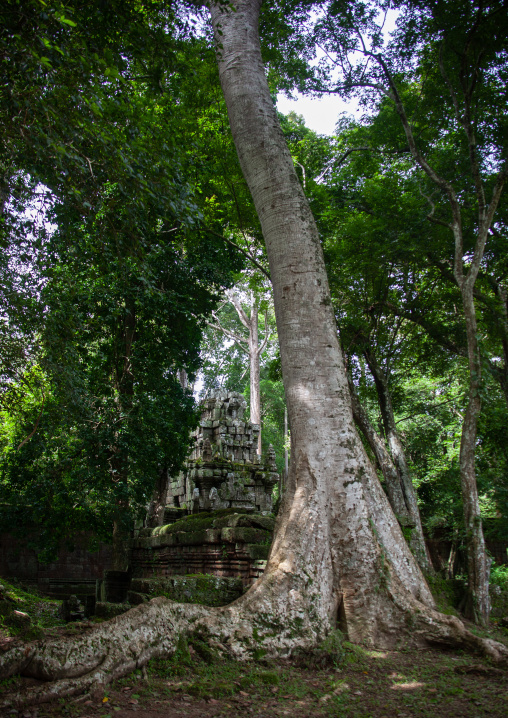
x=319, y=114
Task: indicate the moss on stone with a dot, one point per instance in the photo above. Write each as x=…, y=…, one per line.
x=204, y=589
x=103, y=609
x=257, y=552
x=245, y=535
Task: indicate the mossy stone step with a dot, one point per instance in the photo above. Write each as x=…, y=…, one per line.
x=205, y=589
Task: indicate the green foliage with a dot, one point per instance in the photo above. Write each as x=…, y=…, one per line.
x=499, y=576
x=120, y=283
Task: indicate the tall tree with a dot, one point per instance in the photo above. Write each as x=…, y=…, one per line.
x=338, y=550
x=459, y=67
x=247, y=309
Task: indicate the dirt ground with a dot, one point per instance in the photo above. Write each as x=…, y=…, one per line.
x=361, y=684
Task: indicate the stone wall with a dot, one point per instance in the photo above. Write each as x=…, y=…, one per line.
x=73, y=572
x=222, y=543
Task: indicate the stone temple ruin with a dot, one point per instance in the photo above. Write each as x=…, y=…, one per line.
x=216, y=534
x=224, y=469
x=218, y=522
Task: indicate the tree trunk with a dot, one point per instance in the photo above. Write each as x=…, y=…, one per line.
x=478, y=604
x=338, y=552
x=254, y=353
x=254, y=350
x=417, y=540
x=155, y=513
x=376, y=443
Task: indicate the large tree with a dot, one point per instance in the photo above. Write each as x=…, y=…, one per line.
x=455, y=129
x=338, y=553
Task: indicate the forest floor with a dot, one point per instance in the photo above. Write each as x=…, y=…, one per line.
x=365, y=684
x=357, y=683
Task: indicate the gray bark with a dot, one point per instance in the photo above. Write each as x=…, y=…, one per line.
x=155, y=513
x=383, y=458
x=337, y=543
x=478, y=606
x=398, y=455
x=254, y=350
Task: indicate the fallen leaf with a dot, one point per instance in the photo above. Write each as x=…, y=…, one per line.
x=243, y=693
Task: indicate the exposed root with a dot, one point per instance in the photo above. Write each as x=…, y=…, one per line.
x=115, y=648
x=70, y=666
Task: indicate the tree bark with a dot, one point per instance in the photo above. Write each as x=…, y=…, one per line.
x=376, y=443
x=417, y=539
x=253, y=348
x=338, y=551
x=478, y=565
x=155, y=513
x=255, y=378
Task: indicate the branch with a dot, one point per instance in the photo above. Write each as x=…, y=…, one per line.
x=341, y=160
x=304, y=174
x=267, y=336
x=443, y=184
x=431, y=408
x=430, y=216
x=246, y=254
x=239, y=340
x=239, y=310
x=35, y=427
x=465, y=121
x=483, y=229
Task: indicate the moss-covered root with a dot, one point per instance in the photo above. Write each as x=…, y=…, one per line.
x=259, y=620
x=427, y=626
x=111, y=650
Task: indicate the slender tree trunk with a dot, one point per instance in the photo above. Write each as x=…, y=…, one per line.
x=338, y=552
x=155, y=513
x=478, y=565
x=255, y=379
x=182, y=378
x=119, y=462
x=254, y=350
x=388, y=469
x=417, y=540
x=286, y=446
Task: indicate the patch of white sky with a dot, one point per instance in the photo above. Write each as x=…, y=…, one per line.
x=322, y=113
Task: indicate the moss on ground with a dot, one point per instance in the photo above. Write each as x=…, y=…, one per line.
x=24, y=612
x=364, y=684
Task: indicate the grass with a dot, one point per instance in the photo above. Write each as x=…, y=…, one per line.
x=366, y=684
